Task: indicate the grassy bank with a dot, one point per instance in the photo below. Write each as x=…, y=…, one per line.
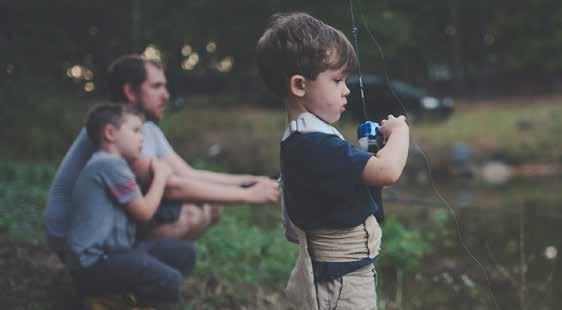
x=516, y=130
x=246, y=138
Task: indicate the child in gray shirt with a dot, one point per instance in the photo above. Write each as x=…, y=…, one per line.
x=101, y=250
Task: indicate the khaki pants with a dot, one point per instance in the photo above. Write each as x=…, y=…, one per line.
x=354, y=291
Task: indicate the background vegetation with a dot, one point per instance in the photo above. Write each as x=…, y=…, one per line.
x=499, y=59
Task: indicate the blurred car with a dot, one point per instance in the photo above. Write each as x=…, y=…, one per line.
x=380, y=101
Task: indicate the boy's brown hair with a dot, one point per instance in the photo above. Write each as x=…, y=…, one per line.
x=105, y=114
x=299, y=44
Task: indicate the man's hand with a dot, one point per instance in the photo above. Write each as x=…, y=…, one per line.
x=264, y=191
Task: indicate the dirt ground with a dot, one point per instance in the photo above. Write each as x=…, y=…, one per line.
x=34, y=278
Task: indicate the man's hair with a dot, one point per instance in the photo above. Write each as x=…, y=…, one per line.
x=127, y=69
x=105, y=114
x=299, y=44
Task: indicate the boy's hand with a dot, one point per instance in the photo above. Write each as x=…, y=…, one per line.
x=160, y=168
x=391, y=124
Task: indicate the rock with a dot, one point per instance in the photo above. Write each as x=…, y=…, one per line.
x=496, y=172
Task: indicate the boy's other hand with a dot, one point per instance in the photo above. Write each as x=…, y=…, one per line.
x=160, y=168
x=391, y=124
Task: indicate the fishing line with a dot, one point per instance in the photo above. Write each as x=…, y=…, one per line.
x=419, y=148
x=354, y=31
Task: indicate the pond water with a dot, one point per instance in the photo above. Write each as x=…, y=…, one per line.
x=507, y=255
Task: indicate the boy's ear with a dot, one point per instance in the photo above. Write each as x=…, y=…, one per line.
x=297, y=85
x=129, y=92
x=109, y=132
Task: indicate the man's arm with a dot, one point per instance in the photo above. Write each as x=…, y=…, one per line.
x=193, y=189
x=188, y=187
x=182, y=168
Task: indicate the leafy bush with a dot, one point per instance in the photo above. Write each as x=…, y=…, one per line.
x=23, y=192
x=239, y=252
x=402, y=248
x=40, y=121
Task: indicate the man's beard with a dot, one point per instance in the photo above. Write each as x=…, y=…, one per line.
x=147, y=115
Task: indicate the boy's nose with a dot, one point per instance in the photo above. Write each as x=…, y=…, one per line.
x=346, y=90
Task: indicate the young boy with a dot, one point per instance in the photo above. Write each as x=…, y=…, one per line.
x=101, y=252
x=329, y=186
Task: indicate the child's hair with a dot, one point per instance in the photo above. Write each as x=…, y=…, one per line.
x=105, y=114
x=299, y=44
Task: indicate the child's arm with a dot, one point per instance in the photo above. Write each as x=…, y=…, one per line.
x=386, y=167
x=142, y=209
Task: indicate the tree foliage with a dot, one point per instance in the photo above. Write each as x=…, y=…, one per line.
x=461, y=39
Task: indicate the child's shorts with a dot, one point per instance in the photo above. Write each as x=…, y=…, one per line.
x=355, y=290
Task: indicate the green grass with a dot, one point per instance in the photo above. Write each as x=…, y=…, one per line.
x=238, y=258
x=23, y=194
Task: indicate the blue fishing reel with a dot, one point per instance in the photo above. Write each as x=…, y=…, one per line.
x=370, y=137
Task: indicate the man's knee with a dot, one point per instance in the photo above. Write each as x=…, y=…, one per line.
x=191, y=223
x=193, y=215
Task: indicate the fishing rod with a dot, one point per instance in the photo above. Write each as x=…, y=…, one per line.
x=369, y=131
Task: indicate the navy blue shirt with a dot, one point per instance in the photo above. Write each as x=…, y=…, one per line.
x=322, y=180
